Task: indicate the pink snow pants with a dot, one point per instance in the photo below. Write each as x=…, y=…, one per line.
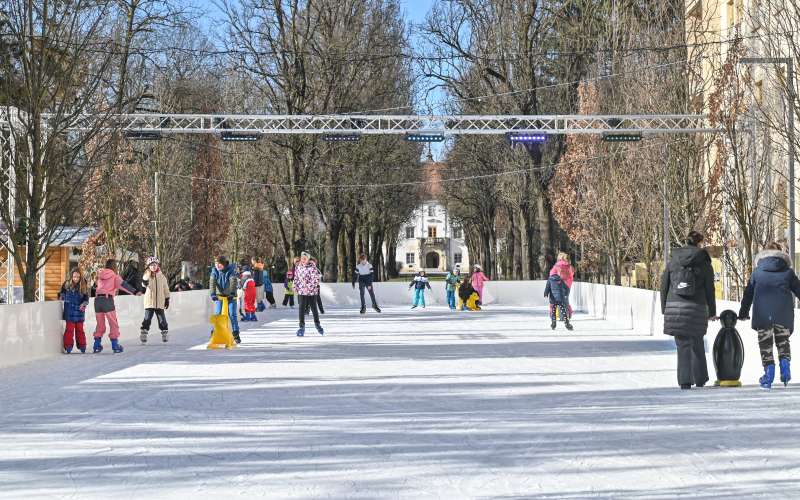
x=113, y=325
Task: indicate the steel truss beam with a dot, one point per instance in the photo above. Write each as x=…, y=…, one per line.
x=404, y=124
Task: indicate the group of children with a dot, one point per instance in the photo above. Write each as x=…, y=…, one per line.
x=469, y=289
x=75, y=296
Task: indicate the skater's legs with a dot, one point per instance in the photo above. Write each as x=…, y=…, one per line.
x=552, y=312
x=69, y=335
x=270, y=298
x=699, y=365
x=417, y=294
x=371, y=296
x=233, y=316
x=782, y=342
x=451, y=299
x=692, y=367
x=80, y=335
x=162, y=320
x=113, y=325
x=301, y=309
x=148, y=318
x=312, y=303
x=361, y=288
x=100, y=330
x=319, y=304
x=765, y=346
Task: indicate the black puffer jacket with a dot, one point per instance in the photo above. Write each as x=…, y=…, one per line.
x=688, y=316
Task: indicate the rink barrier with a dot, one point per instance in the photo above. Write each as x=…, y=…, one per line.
x=33, y=331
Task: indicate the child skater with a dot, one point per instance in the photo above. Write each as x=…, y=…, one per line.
x=453, y=280
x=419, y=283
x=223, y=283
x=306, y=282
x=108, y=284
x=557, y=290
x=249, y=287
x=75, y=294
x=288, y=285
x=563, y=268
x=478, y=279
x=156, y=299
x=364, y=275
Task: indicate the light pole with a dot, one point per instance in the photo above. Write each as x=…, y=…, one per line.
x=791, y=95
x=155, y=221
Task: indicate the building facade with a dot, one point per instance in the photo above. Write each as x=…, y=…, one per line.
x=431, y=242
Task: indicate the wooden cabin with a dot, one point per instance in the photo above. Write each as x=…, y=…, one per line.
x=61, y=259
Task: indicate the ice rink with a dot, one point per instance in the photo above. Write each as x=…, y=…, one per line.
x=405, y=404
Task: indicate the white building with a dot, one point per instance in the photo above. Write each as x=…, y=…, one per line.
x=431, y=242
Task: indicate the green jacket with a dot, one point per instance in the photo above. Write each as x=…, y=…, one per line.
x=452, y=280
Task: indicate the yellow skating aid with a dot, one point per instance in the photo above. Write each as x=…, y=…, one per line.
x=222, y=337
x=728, y=383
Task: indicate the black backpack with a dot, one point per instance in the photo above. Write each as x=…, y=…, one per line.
x=683, y=281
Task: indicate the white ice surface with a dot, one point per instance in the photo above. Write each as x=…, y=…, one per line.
x=406, y=404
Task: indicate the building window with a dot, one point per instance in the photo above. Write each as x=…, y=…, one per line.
x=409, y=259
x=431, y=231
x=458, y=233
x=431, y=211
x=457, y=258
x=409, y=232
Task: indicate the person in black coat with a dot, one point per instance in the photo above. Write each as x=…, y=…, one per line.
x=688, y=303
x=770, y=291
x=133, y=276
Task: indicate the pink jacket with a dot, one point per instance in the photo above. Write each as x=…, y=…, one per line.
x=477, y=280
x=565, y=270
x=108, y=282
x=306, y=279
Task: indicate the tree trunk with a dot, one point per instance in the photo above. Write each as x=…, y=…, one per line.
x=331, y=274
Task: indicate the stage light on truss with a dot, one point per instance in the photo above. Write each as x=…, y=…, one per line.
x=239, y=136
x=629, y=137
x=135, y=135
x=341, y=137
x=526, y=137
x=425, y=137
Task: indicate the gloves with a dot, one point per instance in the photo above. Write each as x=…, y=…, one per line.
x=214, y=297
x=83, y=308
x=166, y=303
x=743, y=317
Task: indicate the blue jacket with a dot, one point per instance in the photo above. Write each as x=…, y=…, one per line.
x=73, y=300
x=556, y=289
x=267, y=283
x=770, y=291
x=224, y=283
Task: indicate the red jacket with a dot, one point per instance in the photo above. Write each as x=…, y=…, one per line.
x=250, y=295
x=565, y=271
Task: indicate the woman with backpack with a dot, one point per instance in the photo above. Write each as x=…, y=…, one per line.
x=688, y=303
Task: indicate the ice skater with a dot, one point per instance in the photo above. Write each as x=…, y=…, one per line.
x=557, y=291
x=250, y=294
x=288, y=289
x=468, y=297
x=453, y=280
x=224, y=283
x=770, y=291
x=364, y=275
x=156, y=299
x=108, y=284
x=75, y=294
x=306, y=284
x=563, y=268
x=419, y=283
x=478, y=279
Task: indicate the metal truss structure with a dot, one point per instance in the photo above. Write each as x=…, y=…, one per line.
x=403, y=124
x=9, y=126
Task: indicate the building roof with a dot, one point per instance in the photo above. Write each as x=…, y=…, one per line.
x=68, y=236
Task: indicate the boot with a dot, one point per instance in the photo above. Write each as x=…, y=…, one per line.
x=82, y=349
x=363, y=310
x=164, y=335
x=236, y=337
x=116, y=346
x=686, y=387
x=68, y=350
x=786, y=374
x=98, y=346
x=301, y=331
x=568, y=324
x=143, y=336
x=320, y=330
x=552, y=324
x=377, y=309
x=253, y=317
x=769, y=376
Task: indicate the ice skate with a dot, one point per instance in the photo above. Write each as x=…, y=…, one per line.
x=363, y=310
x=164, y=336
x=377, y=309
x=553, y=324
x=143, y=336
x=320, y=330
x=236, y=337
x=769, y=376
x=568, y=325
x=98, y=346
x=301, y=331
x=116, y=346
x=786, y=374
x=67, y=350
